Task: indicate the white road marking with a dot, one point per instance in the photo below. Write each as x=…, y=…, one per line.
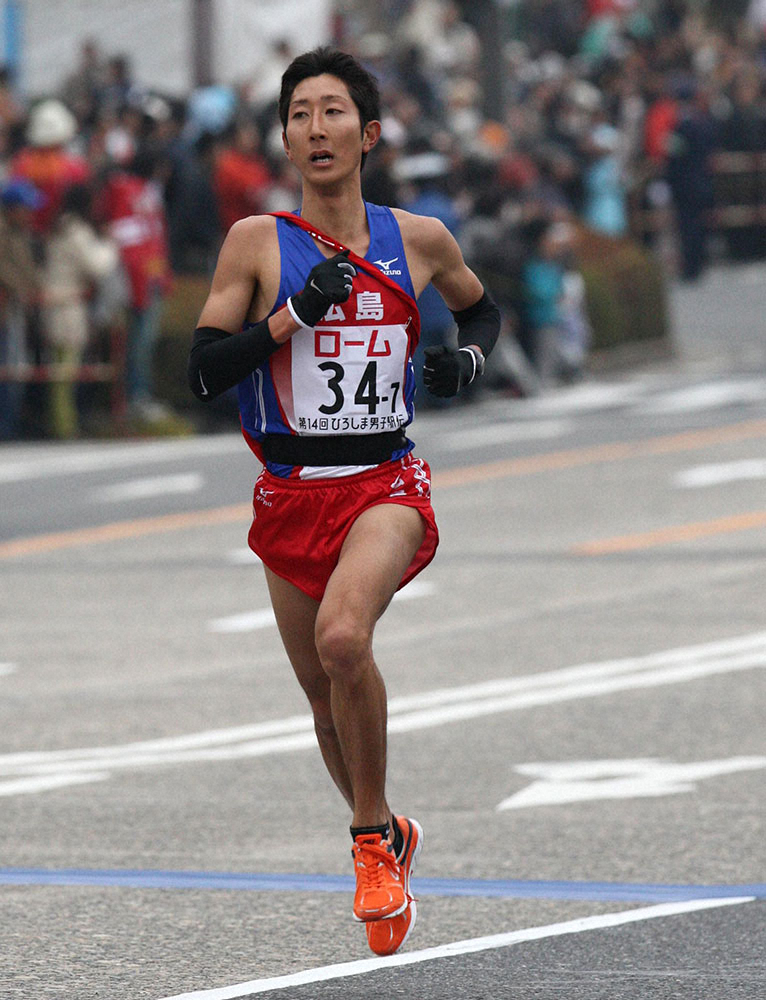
x=586, y=780
x=722, y=472
x=149, y=487
x=710, y=395
x=415, y=590
x=407, y=713
x=242, y=557
x=247, y=621
x=251, y=621
x=507, y=433
x=63, y=460
x=584, y=398
x=47, y=783
x=7, y=668
x=470, y=946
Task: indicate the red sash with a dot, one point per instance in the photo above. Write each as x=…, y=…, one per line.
x=358, y=262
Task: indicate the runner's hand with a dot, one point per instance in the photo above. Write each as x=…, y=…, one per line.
x=328, y=282
x=446, y=371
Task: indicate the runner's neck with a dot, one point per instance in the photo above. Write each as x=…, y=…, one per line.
x=343, y=217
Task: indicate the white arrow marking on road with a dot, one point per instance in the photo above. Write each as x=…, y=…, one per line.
x=587, y=780
x=721, y=472
x=149, y=487
x=251, y=621
x=406, y=714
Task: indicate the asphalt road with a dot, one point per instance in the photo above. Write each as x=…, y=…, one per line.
x=577, y=712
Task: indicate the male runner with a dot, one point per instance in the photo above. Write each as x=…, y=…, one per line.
x=313, y=316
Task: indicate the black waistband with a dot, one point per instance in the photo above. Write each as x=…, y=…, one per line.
x=333, y=449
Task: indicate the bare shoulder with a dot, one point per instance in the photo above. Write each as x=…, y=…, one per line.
x=433, y=255
x=246, y=279
x=255, y=235
x=429, y=246
x=422, y=233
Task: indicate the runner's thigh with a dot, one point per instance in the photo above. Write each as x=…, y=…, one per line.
x=378, y=549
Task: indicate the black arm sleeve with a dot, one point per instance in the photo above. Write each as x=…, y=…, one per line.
x=478, y=324
x=219, y=360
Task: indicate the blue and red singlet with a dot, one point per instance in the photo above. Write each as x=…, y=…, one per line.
x=352, y=374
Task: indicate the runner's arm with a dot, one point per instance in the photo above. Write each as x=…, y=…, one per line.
x=220, y=358
x=222, y=354
x=447, y=371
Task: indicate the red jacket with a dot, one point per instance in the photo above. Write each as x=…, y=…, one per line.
x=133, y=209
x=240, y=182
x=52, y=171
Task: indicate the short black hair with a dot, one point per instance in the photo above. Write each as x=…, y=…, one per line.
x=362, y=85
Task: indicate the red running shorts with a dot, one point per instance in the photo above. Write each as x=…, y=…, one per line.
x=299, y=526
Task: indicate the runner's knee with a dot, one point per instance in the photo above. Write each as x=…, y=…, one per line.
x=343, y=647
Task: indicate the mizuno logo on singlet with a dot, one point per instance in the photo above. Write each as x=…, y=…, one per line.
x=385, y=265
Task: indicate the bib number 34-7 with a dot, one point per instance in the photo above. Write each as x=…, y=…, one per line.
x=364, y=395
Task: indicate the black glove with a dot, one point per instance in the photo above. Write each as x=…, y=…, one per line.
x=328, y=282
x=446, y=371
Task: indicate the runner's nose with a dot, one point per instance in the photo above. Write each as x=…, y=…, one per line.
x=317, y=125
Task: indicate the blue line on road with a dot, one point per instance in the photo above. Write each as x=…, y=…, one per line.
x=505, y=889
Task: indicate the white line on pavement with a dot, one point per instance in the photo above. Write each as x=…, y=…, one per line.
x=471, y=946
x=63, y=460
x=706, y=396
x=7, y=668
x=721, y=472
x=149, y=487
x=242, y=557
x=248, y=621
x=408, y=713
x=507, y=432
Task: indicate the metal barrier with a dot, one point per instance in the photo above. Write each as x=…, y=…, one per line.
x=109, y=372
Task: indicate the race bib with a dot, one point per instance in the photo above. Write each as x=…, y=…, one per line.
x=349, y=379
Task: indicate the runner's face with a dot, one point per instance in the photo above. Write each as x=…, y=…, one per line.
x=324, y=136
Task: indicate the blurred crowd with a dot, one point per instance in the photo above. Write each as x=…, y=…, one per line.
x=596, y=113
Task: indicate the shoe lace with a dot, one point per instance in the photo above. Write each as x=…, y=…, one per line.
x=372, y=862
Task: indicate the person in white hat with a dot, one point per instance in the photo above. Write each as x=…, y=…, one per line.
x=47, y=162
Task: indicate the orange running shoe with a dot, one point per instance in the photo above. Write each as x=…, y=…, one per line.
x=386, y=937
x=380, y=879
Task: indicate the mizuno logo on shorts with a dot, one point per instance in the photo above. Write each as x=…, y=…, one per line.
x=262, y=494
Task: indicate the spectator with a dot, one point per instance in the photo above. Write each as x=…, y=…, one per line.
x=19, y=291
x=542, y=291
x=76, y=258
x=131, y=206
x=82, y=90
x=241, y=176
x=46, y=162
x=194, y=218
x=119, y=90
x=690, y=178
x=605, y=202
x=744, y=131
